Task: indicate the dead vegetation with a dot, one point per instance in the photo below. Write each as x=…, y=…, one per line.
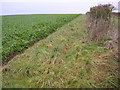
x=102, y=29
x=100, y=26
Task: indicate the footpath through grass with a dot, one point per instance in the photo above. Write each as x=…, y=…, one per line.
x=62, y=60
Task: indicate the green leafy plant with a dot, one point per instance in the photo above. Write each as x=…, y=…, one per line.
x=21, y=30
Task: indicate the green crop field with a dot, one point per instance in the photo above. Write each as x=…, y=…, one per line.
x=20, y=30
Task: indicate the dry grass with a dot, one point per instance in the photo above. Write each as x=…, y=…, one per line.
x=101, y=26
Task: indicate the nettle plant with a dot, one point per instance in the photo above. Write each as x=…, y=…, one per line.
x=102, y=11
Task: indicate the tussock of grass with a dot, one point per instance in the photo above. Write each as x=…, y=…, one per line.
x=62, y=60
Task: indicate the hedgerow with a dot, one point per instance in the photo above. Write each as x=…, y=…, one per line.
x=99, y=22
